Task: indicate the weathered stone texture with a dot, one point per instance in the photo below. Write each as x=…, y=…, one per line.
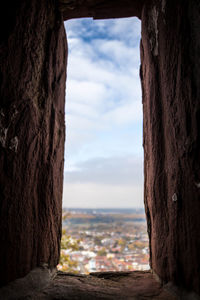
x=32, y=91
x=39, y=284
x=171, y=92
x=100, y=9
x=32, y=86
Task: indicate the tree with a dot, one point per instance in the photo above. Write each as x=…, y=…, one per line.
x=70, y=244
x=102, y=252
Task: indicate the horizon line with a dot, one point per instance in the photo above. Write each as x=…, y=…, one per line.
x=103, y=207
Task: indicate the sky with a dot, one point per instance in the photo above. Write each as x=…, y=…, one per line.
x=103, y=115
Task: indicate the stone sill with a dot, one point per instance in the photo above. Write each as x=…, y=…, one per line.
x=41, y=283
x=106, y=285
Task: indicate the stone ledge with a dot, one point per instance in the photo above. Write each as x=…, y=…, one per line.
x=41, y=284
x=106, y=285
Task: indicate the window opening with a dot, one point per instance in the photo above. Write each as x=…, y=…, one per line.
x=104, y=225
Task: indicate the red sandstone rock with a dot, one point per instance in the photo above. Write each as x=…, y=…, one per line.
x=39, y=284
x=100, y=9
x=32, y=92
x=32, y=78
x=171, y=93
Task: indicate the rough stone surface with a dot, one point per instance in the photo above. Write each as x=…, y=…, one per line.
x=32, y=86
x=170, y=75
x=111, y=285
x=100, y=9
x=32, y=91
x=36, y=280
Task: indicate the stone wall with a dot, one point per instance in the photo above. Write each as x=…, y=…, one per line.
x=171, y=92
x=32, y=77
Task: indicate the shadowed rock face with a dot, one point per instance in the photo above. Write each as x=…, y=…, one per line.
x=32, y=77
x=100, y=9
x=171, y=90
x=32, y=72
x=40, y=284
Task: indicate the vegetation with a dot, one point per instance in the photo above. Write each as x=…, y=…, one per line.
x=68, y=244
x=111, y=245
x=102, y=252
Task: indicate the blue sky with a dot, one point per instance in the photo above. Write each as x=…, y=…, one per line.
x=103, y=150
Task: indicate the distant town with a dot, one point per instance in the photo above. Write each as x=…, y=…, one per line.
x=104, y=240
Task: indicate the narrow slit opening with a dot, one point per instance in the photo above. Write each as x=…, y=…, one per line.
x=104, y=224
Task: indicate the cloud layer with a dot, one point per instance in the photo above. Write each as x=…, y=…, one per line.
x=103, y=108
x=92, y=195
x=109, y=171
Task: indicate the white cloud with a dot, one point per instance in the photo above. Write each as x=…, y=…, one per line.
x=117, y=51
x=83, y=68
x=127, y=29
x=108, y=170
x=103, y=104
x=87, y=92
x=102, y=196
x=124, y=114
